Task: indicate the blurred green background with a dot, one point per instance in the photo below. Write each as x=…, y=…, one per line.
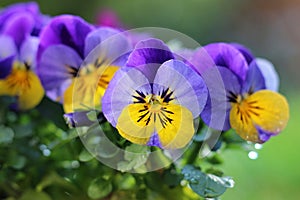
x=270, y=29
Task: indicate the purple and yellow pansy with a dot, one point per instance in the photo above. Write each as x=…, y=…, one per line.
x=253, y=107
x=155, y=98
x=20, y=25
x=68, y=72
x=150, y=94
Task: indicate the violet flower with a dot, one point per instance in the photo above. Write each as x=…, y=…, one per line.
x=77, y=61
x=19, y=25
x=154, y=100
x=252, y=107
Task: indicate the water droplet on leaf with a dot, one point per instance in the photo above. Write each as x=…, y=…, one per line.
x=253, y=155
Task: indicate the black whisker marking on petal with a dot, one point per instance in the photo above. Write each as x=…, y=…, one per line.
x=167, y=111
x=164, y=93
x=247, y=115
x=99, y=63
x=73, y=71
x=142, y=116
x=167, y=118
x=256, y=107
x=27, y=66
x=163, y=123
x=252, y=102
x=255, y=113
x=141, y=94
x=148, y=119
x=139, y=99
x=167, y=97
x=145, y=108
x=233, y=95
x=232, y=98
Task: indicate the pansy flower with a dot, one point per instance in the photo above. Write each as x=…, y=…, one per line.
x=154, y=99
x=76, y=61
x=251, y=105
x=29, y=13
x=18, y=26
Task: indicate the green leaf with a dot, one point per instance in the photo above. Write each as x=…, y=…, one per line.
x=85, y=156
x=6, y=135
x=16, y=161
x=136, y=152
x=215, y=159
x=214, y=171
x=106, y=149
x=151, y=180
x=135, y=157
x=203, y=134
x=124, y=166
x=142, y=194
x=23, y=130
x=99, y=188
x=207, y=186
x=54, y=179
x=92, y=115
x=31, y=194
x=172, y=178
x=53, y=111
x=230, y=137
x=125, y=181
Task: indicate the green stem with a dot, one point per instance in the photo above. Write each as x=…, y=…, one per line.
x=193, y=153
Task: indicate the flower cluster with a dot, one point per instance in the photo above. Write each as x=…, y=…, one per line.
x=149, y=93
x=138, y=103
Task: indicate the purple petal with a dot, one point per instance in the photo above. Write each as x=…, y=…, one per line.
x=226, y=55
x=57, y=94
x=222, y=85
x=148, y=55
x=270, y=75
x=254, y=80
x=58, y=64
x=8, y=52
x=201, y=60
x=187, y=85
x=78, y=119
x=17, y=8
x=184, y=54
x=65, y=29
x=7, y=47
x=154, y=141
x=28, y=51
x=108, y=45
x=264, y=135
x=40, y=23
x=6, y=66
x=101, y=34
x=19, y=27
x=245, y=51
x=119, y=93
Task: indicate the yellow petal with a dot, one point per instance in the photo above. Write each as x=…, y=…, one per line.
x=136, y=124
x=87, y=90
x=265, y=109
x=105, y=77
x=68, y=99
x=25, y=85
x=174, y=125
